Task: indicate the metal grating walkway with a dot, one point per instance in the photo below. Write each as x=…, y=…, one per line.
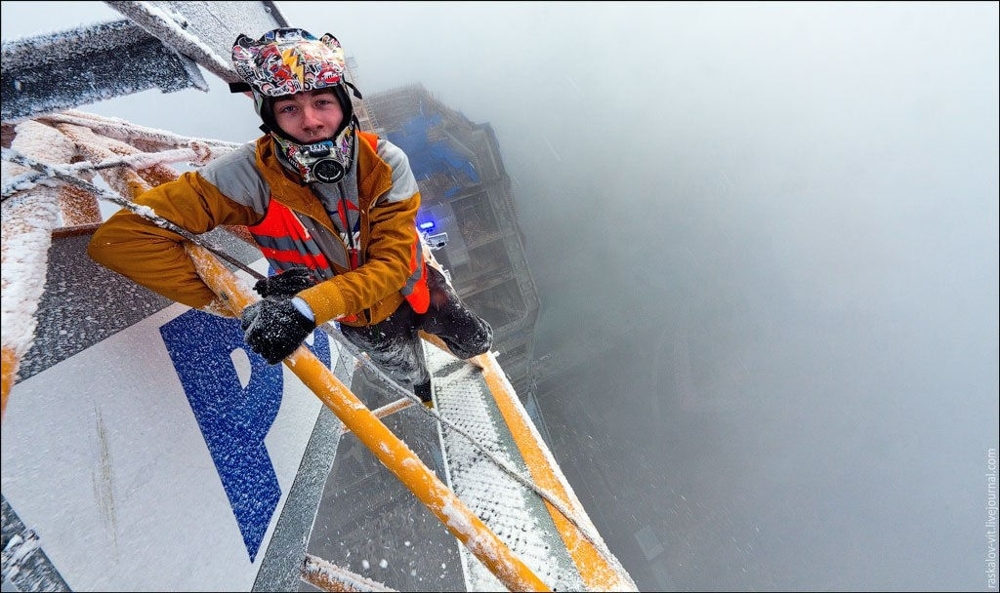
x=513, y=511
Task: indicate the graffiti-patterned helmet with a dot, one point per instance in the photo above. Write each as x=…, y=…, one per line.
x=287, y=61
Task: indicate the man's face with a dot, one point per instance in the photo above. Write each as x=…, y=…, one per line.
x=309, y=117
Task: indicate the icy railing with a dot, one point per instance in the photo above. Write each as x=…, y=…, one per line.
x=50, y=181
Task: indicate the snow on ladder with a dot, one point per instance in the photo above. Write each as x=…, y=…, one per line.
x=551, y=534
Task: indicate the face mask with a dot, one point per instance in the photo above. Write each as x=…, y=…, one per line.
x=326, y=162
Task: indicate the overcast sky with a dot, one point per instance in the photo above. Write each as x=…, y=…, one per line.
x=784, y=215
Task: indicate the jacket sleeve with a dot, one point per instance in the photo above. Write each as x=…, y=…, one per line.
x=384, y=271
x=391, y=245
x=154, y=257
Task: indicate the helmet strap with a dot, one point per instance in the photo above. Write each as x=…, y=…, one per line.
x=355, y=90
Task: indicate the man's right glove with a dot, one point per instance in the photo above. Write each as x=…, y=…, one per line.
x=286, y=284
x=274, y=328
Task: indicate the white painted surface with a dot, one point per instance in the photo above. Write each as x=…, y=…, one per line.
x=104, y=458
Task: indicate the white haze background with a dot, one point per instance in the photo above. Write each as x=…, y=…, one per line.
x=780, y=220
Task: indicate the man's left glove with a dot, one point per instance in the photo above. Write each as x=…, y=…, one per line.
x=286, y=284
x=274, y=329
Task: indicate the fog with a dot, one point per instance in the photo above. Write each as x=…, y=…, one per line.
x=780, y=221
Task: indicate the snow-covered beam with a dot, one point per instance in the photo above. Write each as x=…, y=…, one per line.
x=82, y=66
x=203, y=31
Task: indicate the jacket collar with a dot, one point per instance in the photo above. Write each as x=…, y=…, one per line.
x=373, y=175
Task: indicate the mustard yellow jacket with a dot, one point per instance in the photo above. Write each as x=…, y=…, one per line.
x=236, y=189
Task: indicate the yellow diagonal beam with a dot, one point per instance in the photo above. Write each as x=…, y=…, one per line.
x=392, y=452
x=599, y=571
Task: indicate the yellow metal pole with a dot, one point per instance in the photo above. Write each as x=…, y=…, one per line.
x=597, y=571
x=329, y=577
x=392, y=452
x=10, y=363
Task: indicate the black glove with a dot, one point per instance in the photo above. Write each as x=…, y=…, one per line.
x=286, y=284
x=274, y=329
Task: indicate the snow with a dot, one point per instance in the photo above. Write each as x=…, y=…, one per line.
x=28, y=221
x=204, y=31
x=172, y=25
x=153, y=138
x=27, y=233
x=36, y=204
x=31, y=212
x=31, y=208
